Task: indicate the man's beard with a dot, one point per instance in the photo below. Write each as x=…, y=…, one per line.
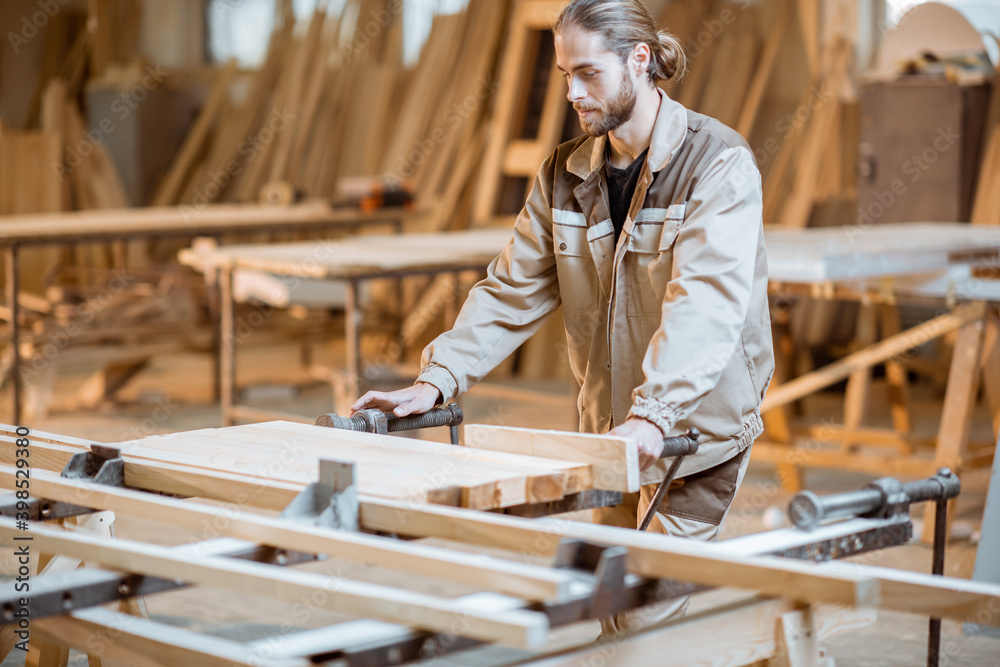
x=616, y=113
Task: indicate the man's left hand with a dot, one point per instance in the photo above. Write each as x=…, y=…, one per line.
x=647, y=435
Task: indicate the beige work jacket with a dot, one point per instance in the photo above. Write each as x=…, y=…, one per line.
x=671, y=323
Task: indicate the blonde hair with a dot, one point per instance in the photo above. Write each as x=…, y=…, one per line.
x=623, y=24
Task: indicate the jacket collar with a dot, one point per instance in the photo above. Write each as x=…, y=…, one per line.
x=669, y=131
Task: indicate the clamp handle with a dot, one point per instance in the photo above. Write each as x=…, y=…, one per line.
x=677, y=447
x=681, y=445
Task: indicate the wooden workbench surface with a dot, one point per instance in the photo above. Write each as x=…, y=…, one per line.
x=357, y=256
x=387, y=466
x=854, y=252
x=181, y=221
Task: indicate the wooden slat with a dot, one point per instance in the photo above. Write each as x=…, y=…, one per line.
x=179, y=221
x=696, y=639
x=140, y=642
x=516, y=628
x=649, y=555
x=195, y=139
x=881, y=351
x=710, y=564
x=521, y=580
x=615, y=460
x=417, y=465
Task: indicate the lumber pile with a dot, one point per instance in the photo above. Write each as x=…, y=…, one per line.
x=336, y=101
x=986, y=208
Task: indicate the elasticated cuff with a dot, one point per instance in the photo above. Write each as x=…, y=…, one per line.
x=655, y=411
x=438, y=376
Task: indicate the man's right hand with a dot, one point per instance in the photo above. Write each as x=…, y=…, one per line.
x=414, y=400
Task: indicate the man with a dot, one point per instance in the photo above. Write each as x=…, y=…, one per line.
x=648, y=231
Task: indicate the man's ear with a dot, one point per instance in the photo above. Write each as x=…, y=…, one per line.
x=640, y=58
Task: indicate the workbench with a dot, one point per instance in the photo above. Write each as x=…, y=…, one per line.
x=950, y=266
x=120, y=225
x=353, y=262
x=527, y=575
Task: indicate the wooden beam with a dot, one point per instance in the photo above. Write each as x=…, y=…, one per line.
x=649, y=555
x=501, y=576
x=885, y=349
x=892, y=464
x=696, y=639
x=515, y=628
x=615, y=460
x=126, y=639
x=172, y=183
x=710, y=564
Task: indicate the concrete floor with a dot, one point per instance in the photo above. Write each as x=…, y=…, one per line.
x=171, y=395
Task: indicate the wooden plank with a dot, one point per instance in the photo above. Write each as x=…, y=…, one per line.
x=256, y=453
x=654, y=556
x=493, y=574
x=184, y=221
x=578, y=476
x=696, y=639
x=136, y=641
x=615, y=460
x=762, y=74
x=195, y=139
x=991, y=368
x=859, y=381
x=959, y=401
x=881, y=351
x=896, y=373
x=516, y=628
x=894, y=465
x=710, y=564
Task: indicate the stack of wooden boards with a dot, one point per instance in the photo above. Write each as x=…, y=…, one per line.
x=397, y=468
x=530, y=574
x=986, y=208
x=338, y=101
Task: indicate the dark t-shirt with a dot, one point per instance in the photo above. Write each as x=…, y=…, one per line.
x=621, y=187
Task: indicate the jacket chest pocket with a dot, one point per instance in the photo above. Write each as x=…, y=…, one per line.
x=579, y=288
x=649, y=260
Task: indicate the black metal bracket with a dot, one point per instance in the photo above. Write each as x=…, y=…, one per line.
x=100, y=465
x=575, y=502
x=331, y=502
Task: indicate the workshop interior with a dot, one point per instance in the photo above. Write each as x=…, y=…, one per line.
x=500, y=333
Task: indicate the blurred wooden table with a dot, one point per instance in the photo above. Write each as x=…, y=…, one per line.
x=350, y=261
x=144, y=223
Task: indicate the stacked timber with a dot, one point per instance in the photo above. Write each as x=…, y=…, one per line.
x=986, y=208
x=335, y=100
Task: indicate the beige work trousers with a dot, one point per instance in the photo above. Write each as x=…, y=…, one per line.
x=718, y=488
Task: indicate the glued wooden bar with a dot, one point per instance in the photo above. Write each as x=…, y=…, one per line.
x=137, y=641
x=649, y=555
x=696, y=639
x=710, y=564
x=514, y=628
x=526, y=581
x=615, y=461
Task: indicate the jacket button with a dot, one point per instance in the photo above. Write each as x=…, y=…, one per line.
x=608, y=365
x=562, y=246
